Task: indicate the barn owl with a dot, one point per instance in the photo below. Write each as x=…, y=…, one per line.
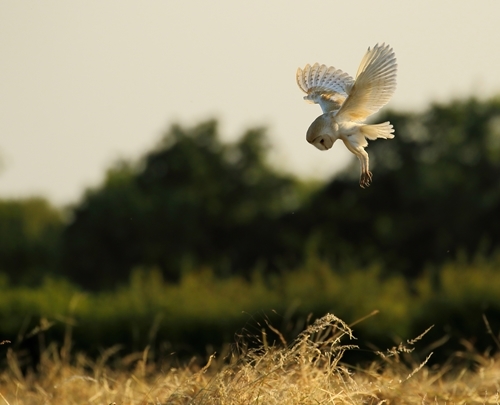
x=347, y=103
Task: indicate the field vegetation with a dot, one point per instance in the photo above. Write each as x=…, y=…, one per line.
x=308, y=370
x=201, y=313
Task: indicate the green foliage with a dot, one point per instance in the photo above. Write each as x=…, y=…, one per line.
x=202, y=312
x=30, y=232
x=192, y=200
x=465, y=305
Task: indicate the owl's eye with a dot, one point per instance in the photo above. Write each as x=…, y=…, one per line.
x=322, y=142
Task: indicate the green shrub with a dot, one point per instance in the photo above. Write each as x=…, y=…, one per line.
x=203, y=312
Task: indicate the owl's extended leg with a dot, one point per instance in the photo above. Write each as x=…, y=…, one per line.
x=366, y=175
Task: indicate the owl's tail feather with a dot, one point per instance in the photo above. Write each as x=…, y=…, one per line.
x=384, y=130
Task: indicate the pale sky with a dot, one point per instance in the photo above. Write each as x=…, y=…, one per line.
x=83, y=83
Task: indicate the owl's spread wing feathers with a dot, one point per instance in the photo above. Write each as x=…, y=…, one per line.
x=326, y=86
x=375, y=84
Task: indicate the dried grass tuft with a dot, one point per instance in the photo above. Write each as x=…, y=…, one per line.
x=306, y=371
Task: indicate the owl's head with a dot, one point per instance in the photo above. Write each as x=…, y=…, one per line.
x=321, y=133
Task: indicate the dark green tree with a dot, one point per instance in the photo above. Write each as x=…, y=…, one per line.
x=30, y=234
x=191, y=201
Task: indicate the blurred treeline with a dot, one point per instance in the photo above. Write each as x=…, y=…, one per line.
x=195, y=205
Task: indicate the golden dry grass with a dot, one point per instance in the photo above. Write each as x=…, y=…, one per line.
x=308, y=371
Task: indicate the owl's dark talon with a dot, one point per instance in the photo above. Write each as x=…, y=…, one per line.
x=366, y=179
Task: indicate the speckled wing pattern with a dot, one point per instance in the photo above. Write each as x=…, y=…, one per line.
x=326, y=86
x=375, y=84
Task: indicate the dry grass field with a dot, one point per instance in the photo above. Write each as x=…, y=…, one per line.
x=307, y=371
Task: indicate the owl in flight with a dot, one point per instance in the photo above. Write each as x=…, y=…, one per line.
x=347, y=103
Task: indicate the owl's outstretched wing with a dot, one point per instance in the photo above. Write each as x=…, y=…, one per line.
x=375, y=84
x=324, y=85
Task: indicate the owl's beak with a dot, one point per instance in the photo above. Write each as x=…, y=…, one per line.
x=322, y=142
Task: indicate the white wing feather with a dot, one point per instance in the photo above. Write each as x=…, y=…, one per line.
x=375, y=84
x=326, y=86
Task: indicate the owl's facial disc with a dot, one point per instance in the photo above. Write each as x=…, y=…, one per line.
x=322, y=142
x=319, y=133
